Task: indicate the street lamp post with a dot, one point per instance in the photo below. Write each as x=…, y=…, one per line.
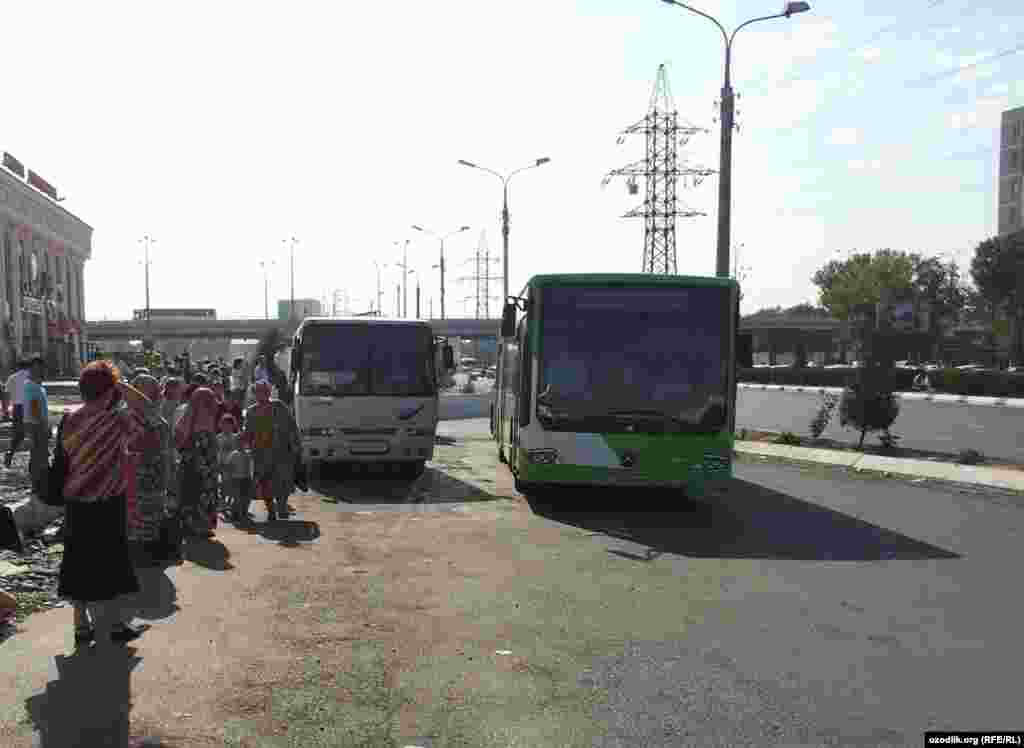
x=404, y=264
x=291, y=242
x=264, y=264
x=380, y=308
x=441, y=265
x=727, y=111
x=147, y=240
x=504, y=210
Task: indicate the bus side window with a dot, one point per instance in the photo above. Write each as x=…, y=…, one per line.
x=525, y=371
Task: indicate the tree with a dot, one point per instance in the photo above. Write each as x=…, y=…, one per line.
x=860, y=279
x=998, y=271
x=939, y=286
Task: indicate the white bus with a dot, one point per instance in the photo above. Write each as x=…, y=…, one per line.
x=366, y=390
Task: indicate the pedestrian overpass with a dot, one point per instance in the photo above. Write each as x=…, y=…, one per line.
x=118, y=331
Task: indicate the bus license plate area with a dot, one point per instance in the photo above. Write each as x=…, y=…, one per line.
x=369, y=448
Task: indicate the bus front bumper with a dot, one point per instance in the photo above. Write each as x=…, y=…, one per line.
x=375, y=449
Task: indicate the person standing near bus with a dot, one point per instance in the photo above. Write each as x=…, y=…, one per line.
x=236, y=381
x=272, y=434
x=16, y=392
x=37, y=425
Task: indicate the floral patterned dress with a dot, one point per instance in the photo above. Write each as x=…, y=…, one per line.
x=199, y=481
x=152, y=479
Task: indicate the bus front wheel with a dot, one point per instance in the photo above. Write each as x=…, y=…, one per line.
x=413, y=470
x=529, y=490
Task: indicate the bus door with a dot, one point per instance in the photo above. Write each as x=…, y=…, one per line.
x=521, y=414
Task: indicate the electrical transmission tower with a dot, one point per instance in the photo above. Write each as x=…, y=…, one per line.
x=482, y=262
x=661, y=170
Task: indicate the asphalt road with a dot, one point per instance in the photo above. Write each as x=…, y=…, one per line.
x=940, y=427
x=995, y=432
x=856, y=612
x=797, y=606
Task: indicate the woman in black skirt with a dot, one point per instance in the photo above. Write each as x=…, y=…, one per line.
x=97, y=566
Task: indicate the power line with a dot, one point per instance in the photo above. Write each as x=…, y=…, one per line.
x=970, y=66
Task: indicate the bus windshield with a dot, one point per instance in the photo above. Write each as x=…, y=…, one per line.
x=384, y=360
x=619, y=352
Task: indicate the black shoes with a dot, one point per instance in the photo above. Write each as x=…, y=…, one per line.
x=122, y=634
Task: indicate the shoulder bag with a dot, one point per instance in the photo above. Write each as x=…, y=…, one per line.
x=57, y=473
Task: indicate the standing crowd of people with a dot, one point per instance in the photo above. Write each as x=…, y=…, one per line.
x=150, y=460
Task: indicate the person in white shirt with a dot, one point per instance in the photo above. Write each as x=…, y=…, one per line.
x=16, y=392
x=262, y=373
x=237, y=381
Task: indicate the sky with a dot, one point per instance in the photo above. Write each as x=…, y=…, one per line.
x=221, y=129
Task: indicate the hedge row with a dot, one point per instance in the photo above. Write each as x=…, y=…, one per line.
x=948, y=381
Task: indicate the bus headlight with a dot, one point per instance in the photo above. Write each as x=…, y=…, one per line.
x=543, y=456
x=318, y=431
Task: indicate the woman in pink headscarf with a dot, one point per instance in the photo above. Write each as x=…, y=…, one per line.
x=196, y=439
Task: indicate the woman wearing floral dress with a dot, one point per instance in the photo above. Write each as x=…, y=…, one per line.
x=152, y=475
x=196, y=439
x=273, y=436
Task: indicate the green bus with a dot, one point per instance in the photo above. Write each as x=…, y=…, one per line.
x=618, y=380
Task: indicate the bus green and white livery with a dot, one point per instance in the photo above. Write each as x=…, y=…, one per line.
x=366, y=390
x=618, y=380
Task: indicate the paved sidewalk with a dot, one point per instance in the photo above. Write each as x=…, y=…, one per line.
x=999, y=402
x=1000, y=478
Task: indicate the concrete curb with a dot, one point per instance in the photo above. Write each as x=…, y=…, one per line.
x=975, y=475
x=997, y=402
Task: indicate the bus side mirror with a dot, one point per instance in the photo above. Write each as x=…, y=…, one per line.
x=508, y=321
x=449, y=358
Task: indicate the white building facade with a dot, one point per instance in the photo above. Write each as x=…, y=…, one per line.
x=43, y=250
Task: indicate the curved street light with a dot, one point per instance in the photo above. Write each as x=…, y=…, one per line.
x=265, y=265
x=504, y=210
x=292, y=241
x=726, y=117
x=441, y=238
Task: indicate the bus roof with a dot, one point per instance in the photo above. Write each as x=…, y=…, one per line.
x=616, y=279
x=362, y=321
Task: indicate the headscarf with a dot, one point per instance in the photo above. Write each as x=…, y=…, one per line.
x=262, y=386
x=201, y=416
x=94, y=438
x=148, y=386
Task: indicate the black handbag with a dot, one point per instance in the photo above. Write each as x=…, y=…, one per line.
x=57, y=473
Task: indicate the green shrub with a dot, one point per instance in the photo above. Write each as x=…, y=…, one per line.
x=970, y=457
x=888, y=439
x=951, y=380
x=788, y=437
x=824, y=415
x=868, y=409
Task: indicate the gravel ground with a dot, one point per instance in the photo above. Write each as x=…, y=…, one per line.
x=31, y=577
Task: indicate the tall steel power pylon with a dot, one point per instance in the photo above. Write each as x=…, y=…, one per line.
x=661, y=170
x=482, y=262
